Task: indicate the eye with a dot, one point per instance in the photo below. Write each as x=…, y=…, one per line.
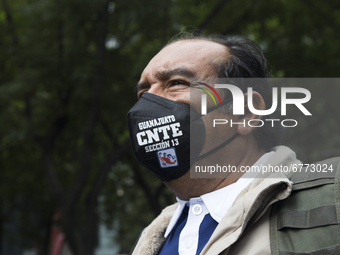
x=178, y=82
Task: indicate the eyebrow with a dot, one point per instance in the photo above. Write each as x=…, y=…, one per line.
x=182, y=71
x=167, y=74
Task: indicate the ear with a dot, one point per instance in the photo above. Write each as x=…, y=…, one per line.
x=258, y=104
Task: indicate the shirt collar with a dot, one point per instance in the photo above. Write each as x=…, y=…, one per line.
x=219, y=201
x=175, y=217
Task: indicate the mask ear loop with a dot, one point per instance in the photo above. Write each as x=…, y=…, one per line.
x=217, y=148
x=225, y=101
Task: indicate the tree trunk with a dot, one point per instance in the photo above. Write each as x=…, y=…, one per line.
x=83, y=239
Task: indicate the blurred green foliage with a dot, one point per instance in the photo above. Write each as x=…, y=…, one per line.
x=67, y=75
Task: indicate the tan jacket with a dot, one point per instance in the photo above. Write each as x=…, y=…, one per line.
x=233, y=235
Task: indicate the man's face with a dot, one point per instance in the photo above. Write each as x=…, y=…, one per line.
x=168, y=74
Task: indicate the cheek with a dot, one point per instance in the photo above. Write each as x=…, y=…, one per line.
x=214, y=136
x=180, y=96
x=185, y=98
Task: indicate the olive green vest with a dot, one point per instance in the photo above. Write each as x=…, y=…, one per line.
x=308, y=222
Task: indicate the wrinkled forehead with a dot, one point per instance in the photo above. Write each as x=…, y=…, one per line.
x=193, y=54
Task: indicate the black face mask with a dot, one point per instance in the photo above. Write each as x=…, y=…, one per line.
x=159, y=131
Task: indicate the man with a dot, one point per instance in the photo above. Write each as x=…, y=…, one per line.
x=218, y=215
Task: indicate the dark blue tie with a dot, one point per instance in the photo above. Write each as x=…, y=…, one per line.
x=206, y=229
